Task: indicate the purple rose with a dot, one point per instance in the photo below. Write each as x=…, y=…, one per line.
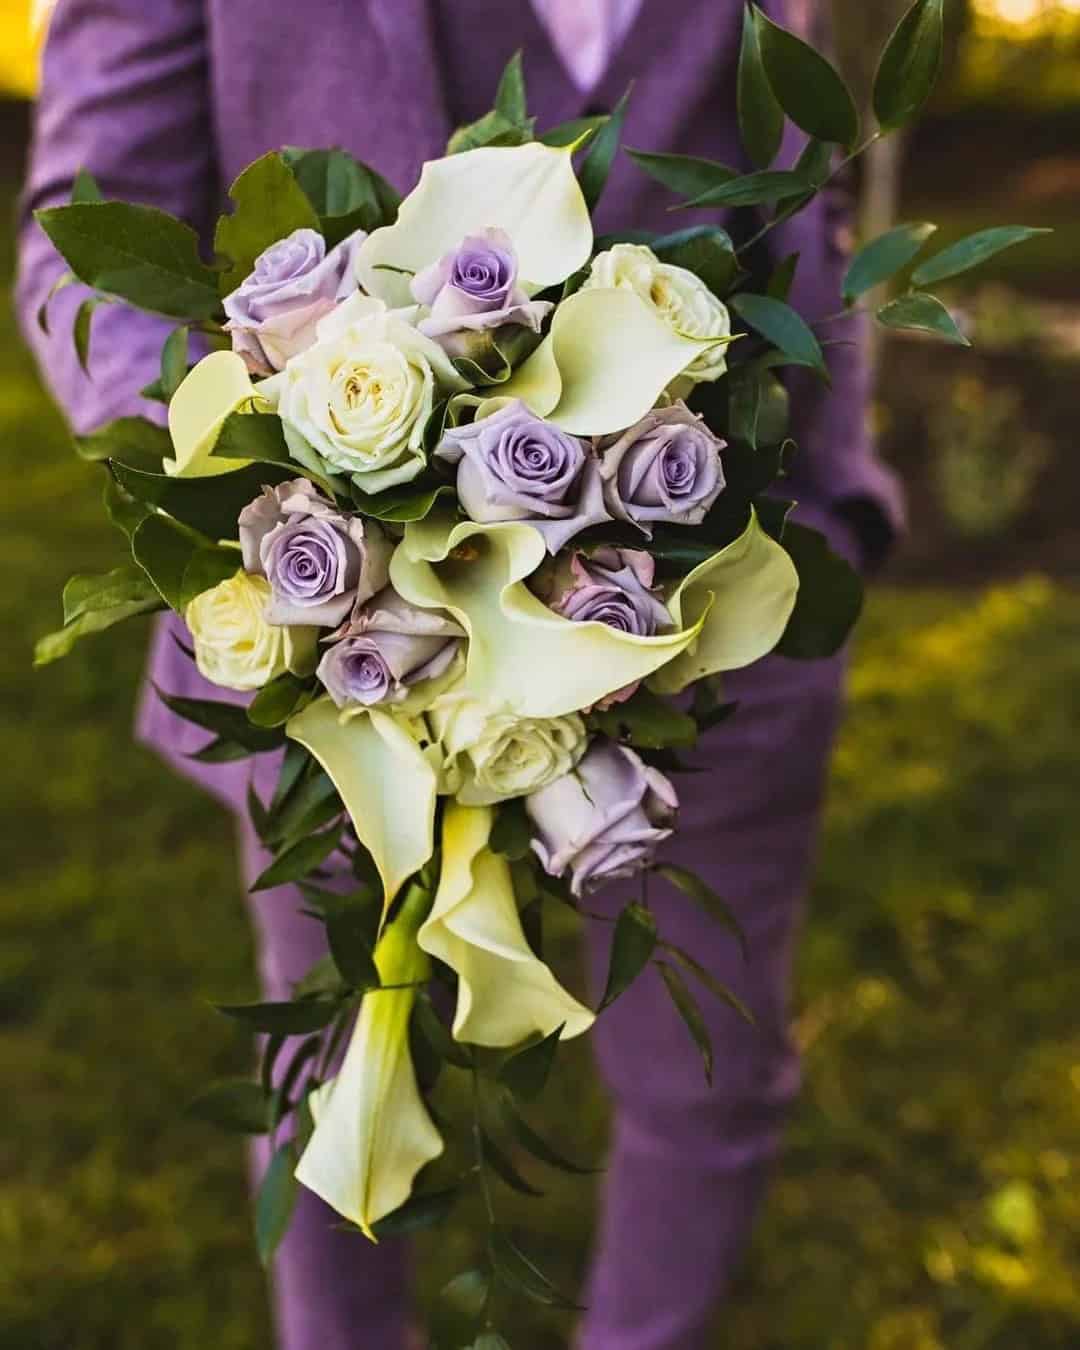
x=604, y=819
x=665, y=468
x=473, y=290
x=319, y=561
x=272, y=313
x=387, y=647
x=515, y=466
x=613, y=586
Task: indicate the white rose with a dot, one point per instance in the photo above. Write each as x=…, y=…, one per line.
x=235, y=647
x=678, y=295
x=362, y=393
x=490, y=756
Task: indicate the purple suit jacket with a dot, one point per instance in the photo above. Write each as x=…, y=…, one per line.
x=167, y=102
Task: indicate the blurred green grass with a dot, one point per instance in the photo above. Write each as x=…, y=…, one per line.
x=928, y=1198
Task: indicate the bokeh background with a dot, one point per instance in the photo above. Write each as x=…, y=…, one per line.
x=929, y=1196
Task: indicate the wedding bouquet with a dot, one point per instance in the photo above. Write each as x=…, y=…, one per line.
x=462, y=498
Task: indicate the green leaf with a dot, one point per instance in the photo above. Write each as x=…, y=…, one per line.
x=291, y=812
x=540, y=1149
x=491, y=129
x=881, y=259
x=164, y=552
x=829, y=599
x=705, y=250
x=237, y=1104
x=227, y=720
x=206, y=568
x=783, y=276
x=526, y=1072
x=276, y=702
x=504, y=1169
x=138, y=253
x=64, y=280
x=569, y=133
x=402, y=504
x=94, y=603
x=971, y=252
x=806, y=86
x=269, y=205
x=520, y=1274
x=510, y=95
x=910, y=64
x=210, y=505
x=755, y=189
x=135, y=440
x=924, y=313
x=784, y=327
x=418, y=1212
x=687, y=175
x=347, y=194
x=687, y=1008
x=80, y=332
x=631, y=949
x=283, y=1019
x=490, y=1340
x=85, y=188
x=350, y=935
x=297, y=861
x=460, y=1306
x=595, y=167
x=433, y=1031
x=512, y=833
x=252, y=435
x=219, y=751
x=709, y=980
x=275, y=1202
x=703, y=894
x=174, y=361
x=647, y=721
x=761, y=118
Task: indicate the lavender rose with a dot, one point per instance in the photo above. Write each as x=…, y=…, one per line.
x=613, y=586
x=272, y=313
x=666, y=467
x=319, y=561
x=515, y=466
x=604, y=819
x=473, y=290
x=388, y=647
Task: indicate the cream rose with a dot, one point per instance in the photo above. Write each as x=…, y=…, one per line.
x=360, y=396
x=678, y=295
x=235, y=647
x=490, y=756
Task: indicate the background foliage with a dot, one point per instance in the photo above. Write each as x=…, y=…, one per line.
x=928, y=1198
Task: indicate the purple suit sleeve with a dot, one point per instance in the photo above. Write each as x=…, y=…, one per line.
x=124, y=95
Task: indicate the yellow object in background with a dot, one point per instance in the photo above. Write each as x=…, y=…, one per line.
x=21, y=24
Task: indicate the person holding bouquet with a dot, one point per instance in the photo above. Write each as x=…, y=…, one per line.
x=164, y=104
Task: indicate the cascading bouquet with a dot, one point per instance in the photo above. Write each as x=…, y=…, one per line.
x=463, y=497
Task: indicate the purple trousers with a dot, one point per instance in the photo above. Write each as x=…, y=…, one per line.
x=689, y=1162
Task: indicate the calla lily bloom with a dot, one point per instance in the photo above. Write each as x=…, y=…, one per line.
x=505, y=992
x=217, y=386
x=606, y=361
x=385, y=779
x=373, y=1132
x=525, y=658
x=528, y=191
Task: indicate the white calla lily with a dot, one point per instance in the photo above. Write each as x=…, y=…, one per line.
x=522, y=656
x=372, y=1131
x=744, y=594
x=606, y=361
x=385, y=779
x=505, y=992
x=530, y=191
x=217, y=386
